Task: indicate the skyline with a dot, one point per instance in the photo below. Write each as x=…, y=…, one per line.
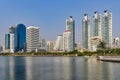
x=50, y=16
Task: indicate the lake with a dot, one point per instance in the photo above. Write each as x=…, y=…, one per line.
x=57, y=68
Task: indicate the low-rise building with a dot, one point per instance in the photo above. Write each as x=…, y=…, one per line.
x=116, y=42
x=95, y=41
x=59, y=43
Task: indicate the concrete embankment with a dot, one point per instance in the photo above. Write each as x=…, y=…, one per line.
x=109, y=58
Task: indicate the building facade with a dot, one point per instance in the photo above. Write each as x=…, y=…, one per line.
x=1, y=49
x=70, y=25
x=95, y=41
x=97, y=24
x=50, y=46
x=86, y=32
x=59, y=43
x=107, y=28
x=42, y=43
x=7, y=41
x=32, y=39
x=68, y=41
x=11, y=43
x=20, y=38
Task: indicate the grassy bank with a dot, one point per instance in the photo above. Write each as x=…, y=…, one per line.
x=105, y=52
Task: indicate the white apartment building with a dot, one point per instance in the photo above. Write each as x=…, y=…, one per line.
x=107, y=28
x=32, y=39
x=59, y=43
x=67, y=41
x=86, y=32
x=97, y=24
x=11, y=43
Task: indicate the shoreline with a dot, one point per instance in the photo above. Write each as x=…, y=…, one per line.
x=40, y=55
x=99, y=58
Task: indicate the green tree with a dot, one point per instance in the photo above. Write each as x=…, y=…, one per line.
x=102, y=45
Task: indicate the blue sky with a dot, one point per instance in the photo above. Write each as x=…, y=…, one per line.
x=50, y=15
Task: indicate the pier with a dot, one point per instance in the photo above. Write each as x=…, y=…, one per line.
x=109, y=58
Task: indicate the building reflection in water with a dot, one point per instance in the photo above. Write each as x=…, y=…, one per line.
x=29, y=68
x=57, y=68
x=94, y=69
x=15, y=68
x=11, y=68
x=97, y=70
x=4, y=68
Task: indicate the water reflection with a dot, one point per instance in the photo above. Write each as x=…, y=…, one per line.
x=57, y=68
x=11, y=68
x=15, y=68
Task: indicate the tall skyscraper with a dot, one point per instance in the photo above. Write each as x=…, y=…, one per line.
x=67, y=41
x=70, y=25
x=7, y=41
x=107, y=28
x=11, y=43
x=96, y=24
x=32, y=39
x=12, y=29
x=20, y=38
x=1, y=48
x=11, y=32
x=59, y=43
x=86, y=32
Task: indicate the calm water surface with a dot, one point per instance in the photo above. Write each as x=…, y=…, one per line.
x=57, y=68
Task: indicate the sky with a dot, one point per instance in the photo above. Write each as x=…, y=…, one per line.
x=50, y=15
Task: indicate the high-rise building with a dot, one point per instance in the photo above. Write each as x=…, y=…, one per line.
x=97, y=24
x=7, y=41
x=11, y=32
x=1, y=49
x=20, y=38
x=11, y=43
x=32, y=39
x=86, y=32
x=12, y=29
x=70, y=25
x=59, y=43
x=67, y=41
x=107, y=28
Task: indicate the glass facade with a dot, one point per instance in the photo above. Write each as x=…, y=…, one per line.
x=86, y=32
x=96, y=24
x=107, y=28
x=20, y=38
x=7, y=41
x=70, y=25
